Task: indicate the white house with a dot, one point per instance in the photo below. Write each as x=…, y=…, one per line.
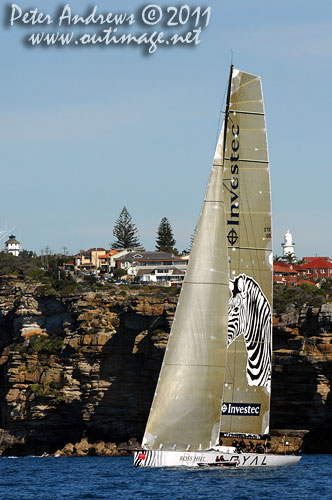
x=12, y=246
x=155, y=267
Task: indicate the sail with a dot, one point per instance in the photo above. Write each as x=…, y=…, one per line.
x=246, y=398
x=185, y=413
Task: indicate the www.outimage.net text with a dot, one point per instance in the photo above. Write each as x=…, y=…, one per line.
x=151, y=26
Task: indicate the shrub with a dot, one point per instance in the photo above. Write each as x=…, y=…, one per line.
x=41, y=343
x=284, y=298
x=46, y=389
x=158, y=333
x=25, y=264
x=38, y=344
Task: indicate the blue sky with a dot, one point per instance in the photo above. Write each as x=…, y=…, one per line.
x=85, y=131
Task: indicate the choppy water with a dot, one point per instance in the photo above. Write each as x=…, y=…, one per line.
x=108, y=478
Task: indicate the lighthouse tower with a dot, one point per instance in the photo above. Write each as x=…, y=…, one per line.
x=12, y=246
x=288, y=245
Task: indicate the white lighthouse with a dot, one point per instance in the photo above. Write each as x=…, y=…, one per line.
x=12, y=246
x=288, y=245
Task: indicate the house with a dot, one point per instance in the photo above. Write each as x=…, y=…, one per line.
x=316, y=268
x=284, y=273
x=161, y=276
x=106, y=261
x=154, y=266
x=88, y=259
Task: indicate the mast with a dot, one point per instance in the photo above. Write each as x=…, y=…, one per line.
x=227, y=106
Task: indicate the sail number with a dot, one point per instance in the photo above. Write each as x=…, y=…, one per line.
x=267, y=232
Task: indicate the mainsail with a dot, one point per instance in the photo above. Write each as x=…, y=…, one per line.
x=246, y=399
x=185, y=413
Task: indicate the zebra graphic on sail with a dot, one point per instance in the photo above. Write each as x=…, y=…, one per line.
x=249, y=314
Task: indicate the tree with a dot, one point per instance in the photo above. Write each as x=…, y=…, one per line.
x=290, y=258
x=119, y=272
x=165, y=240
x=125, y=232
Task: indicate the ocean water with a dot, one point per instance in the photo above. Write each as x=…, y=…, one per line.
x=115, y=478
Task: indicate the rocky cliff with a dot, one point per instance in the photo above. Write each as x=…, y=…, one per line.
x=302, y=375
x=78, y=372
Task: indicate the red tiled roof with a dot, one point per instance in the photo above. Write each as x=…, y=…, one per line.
x=318, y=263
x=280, y=263
x=310, y=259
x=108, y=254
x=283, y=267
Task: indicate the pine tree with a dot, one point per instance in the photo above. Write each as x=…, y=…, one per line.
x=165, y=240
x=125, y=232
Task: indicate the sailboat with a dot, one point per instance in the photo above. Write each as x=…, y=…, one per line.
x=215, y=379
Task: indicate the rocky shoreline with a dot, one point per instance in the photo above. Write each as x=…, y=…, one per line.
x=78, y=372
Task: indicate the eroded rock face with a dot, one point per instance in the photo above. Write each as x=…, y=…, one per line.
x=87, y=368
x=302, y=372
x=85, y=383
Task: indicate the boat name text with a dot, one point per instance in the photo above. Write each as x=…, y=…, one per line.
x=248, y=460
x=234, y=216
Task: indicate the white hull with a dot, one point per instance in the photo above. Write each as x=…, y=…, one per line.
x=159, y=458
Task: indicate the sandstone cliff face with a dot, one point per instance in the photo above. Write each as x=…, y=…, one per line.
x=82, y=369
x=78, y=366
x=302, y=375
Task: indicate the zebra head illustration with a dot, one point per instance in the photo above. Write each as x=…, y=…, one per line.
x=249, y=314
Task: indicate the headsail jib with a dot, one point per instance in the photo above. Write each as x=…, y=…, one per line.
x=186, y=409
